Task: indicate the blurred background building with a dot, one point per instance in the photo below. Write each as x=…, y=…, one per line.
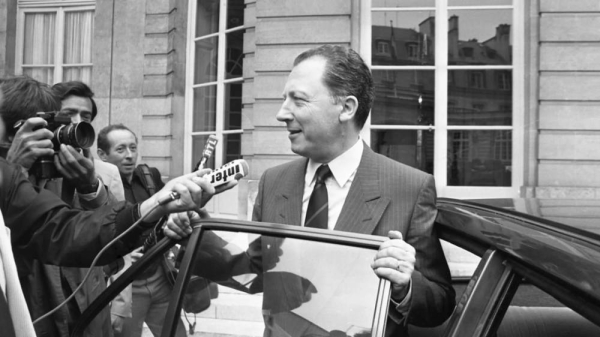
x=495, y=98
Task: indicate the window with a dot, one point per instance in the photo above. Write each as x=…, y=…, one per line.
x=504, y=80
x=383, y=47
x=284, y=286
x=412, y=49
x=467, y=52
x=476, y=80
x=456, y=109
x=54, y=40
x=214, y=89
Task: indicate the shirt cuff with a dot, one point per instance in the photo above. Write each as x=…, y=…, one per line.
x=403, y=307
x=93, y=195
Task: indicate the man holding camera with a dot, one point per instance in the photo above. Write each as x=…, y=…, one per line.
x=78, y=109
x=70, y=175
x=45, y=148
x=35, y=141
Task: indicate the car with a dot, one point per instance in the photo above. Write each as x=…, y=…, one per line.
x=537, y=273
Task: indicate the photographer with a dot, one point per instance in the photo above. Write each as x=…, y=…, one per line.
x=32, y=147
x=39, y=145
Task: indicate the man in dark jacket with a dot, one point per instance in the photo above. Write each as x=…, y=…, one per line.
x=151, y=291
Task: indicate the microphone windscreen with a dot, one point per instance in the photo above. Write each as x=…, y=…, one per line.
x=234, y=170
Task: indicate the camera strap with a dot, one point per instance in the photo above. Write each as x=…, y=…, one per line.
x=147, y=177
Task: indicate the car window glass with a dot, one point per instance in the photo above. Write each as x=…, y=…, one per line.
x=462, y=263
x=288, y=287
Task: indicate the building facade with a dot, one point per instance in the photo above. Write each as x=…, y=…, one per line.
x=495, y=98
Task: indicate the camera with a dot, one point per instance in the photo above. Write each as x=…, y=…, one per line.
x=78, y=135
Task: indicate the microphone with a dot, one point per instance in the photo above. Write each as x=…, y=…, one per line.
x=234, y=170
x=209, y=147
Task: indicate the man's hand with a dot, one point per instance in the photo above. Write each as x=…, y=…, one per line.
x=395, y=261
x=193, y=191
x=29, y=145
x=77, y=168
x=178, y=225
x=117, y=323
x=136, y=254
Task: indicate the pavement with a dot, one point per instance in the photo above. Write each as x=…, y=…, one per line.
x=232, y=313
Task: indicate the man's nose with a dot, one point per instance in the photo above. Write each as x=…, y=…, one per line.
x=284, y=113
x=129, y=153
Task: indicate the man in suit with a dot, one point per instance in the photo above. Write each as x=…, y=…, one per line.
x=326, y=101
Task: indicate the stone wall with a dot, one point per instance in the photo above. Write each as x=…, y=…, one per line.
x=569, y=91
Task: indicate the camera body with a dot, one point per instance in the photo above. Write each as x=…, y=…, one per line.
x=78, y=135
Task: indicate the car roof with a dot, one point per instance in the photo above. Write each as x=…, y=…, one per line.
x=552, y=240
x=579, y=215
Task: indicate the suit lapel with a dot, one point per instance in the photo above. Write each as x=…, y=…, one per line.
x=364, y=205
x=289, y=202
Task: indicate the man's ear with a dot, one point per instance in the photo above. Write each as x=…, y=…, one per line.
x=102, y=155
x=349, y=106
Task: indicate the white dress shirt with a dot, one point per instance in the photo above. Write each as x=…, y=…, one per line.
x=343, y=169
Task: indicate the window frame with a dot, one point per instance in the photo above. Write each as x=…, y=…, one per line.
x=442, y=69
x=220, y=82
x=60, y=8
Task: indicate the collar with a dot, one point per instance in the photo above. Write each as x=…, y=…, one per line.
x=342, y=167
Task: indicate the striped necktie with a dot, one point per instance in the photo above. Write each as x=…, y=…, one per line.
x=316, y=214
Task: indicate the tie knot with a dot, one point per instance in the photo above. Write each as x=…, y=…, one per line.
x=323, y=172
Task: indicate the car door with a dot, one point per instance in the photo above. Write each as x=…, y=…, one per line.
x=261, y=279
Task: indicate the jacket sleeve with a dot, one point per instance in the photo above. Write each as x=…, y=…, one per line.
x=257, y=209
x=45, y=228
x=433, y=295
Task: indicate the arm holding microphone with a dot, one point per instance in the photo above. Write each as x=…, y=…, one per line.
x=44, y=227
x=178, y=226
x=188, y=192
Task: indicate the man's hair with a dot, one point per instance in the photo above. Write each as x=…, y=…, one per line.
x=103, y=142
x=23, y=98
x=346, y=74
x=76, y=88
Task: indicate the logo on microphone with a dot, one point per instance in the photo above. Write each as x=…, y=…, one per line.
x=234, y=170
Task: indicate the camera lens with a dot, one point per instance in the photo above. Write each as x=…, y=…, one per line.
x=79, y=135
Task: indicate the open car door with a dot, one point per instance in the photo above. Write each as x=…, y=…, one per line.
x=286, y=280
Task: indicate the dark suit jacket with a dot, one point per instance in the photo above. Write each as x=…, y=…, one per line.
x=385, y=195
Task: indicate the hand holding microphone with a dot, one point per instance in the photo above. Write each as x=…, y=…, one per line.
x=188, y=192
x=226, y=174
x=224, y=178
x=218, y=181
